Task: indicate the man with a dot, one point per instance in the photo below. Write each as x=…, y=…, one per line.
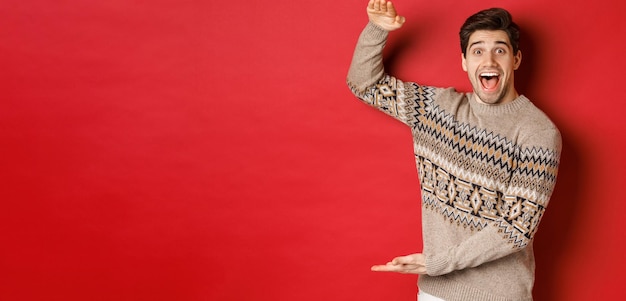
x=487, y=160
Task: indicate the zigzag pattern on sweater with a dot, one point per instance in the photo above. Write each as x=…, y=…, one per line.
x=470, y=205
x=470, y=176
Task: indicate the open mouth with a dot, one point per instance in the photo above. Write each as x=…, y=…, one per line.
x=489, y=81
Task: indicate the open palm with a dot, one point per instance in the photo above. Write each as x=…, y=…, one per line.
x=383, y=14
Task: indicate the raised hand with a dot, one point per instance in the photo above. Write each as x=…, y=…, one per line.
x=383, y=14
x=410, y=264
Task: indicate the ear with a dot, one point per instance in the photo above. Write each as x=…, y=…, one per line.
x=463, y=62
x=517, y=60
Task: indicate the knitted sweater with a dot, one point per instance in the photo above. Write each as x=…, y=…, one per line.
x=486, y=175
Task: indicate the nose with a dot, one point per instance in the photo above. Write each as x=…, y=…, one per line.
x=490, y=59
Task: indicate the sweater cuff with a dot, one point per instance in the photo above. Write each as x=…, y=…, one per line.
x=435, y=266
x=375, y=32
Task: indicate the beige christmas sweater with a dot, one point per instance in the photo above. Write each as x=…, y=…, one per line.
x=486, y=175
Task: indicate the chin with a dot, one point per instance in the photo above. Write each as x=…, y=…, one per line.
x=491, y=98
x=488, y=99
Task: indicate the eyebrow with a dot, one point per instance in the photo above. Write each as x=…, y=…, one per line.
x=483, y=42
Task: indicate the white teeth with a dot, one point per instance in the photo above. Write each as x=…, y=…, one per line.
x=490, y=74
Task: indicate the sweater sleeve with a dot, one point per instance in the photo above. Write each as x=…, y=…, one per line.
x=368, y=81
x=519, y=208
x=367, y=62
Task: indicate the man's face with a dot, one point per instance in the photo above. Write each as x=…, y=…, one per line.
x=490, y=64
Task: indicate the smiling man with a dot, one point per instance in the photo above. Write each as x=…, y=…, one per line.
x=487, y=160
x=490, y=58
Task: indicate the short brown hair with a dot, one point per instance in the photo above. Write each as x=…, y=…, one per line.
x=490, y=19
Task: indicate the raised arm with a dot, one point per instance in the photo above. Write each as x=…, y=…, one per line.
x=367, y=78
x=367, y=68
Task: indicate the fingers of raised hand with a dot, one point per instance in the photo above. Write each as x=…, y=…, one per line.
x=380, y=6
x=383, y=14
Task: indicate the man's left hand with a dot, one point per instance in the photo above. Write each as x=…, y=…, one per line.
x=409, y=264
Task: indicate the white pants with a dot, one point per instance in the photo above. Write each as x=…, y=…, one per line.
x=423, y=296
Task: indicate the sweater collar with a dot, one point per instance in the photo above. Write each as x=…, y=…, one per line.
x=498, y=109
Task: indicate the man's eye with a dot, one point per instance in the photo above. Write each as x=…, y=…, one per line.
x=499, y=51
x=478, y=51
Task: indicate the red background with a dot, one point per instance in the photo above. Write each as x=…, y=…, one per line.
x=192, y=150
